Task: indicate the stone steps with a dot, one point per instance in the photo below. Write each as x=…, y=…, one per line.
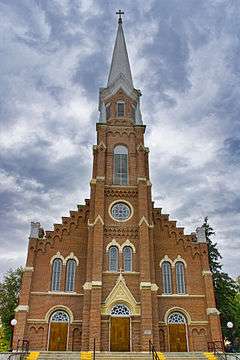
x=67, y=355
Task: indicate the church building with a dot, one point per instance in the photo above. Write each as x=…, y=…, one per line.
x=117, y=269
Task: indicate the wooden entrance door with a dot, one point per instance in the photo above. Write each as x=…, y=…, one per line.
x=177, y=337
x=58, y=336
x=120, y=334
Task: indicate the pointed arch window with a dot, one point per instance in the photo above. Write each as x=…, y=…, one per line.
x=70, y=275
x=120, y=176
x=180, y=277
x=113, y=258
x=127, y=258
x=167, y=277
x=56, y=274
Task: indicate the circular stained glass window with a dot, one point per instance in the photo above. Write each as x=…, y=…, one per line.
x=120, y=211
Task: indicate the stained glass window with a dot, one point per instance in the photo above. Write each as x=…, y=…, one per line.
x=120, y=176
x=113, y=258
x=70, y=275
x=180, y=278
x=120, y=310
x=120, y=211
x=60, y=316
x=176, y=318
x=56, y=274
x=127, y=258
x=167, y=277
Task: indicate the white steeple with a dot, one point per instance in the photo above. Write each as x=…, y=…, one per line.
x=120, y=66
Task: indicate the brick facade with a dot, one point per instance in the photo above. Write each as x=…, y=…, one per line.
x=86, y=234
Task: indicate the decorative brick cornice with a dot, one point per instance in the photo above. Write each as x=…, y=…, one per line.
x=121, y=193
x=115, y=231
x=22, y=308
x=98, y=218
x=213, y=311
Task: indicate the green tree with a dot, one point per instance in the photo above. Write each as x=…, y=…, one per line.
x=226, y=289
x=9, y=292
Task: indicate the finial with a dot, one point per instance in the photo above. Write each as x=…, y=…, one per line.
x=120, y=12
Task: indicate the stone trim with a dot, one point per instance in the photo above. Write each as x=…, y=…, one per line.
x=165, y=258
x=177, y=309
x=128, y=243
x=92, y=285
x=57, y=256
x=181, y=295
x=141, y=179
x=113, y=243
x=179, y=258
x=71, y=256
x=22, y=308
x=56, y=293
x=203, y=322
x=213, y=311
x=206, y=273
x=125, y=202
x=28, y=269
x=148, y=286
x=56, y=308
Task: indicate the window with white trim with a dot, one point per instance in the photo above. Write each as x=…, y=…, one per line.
x=120, y=176
x=176, y=318
x=180, y=277
x=113, y=258
x=70, y=275
x=56, y=274
x=167, y=277
x=59, y=316
x=127, y=258
x=120, y=109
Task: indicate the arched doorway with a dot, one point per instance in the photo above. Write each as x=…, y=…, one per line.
x=120, y=328
x=58, y=331
x=177, y=329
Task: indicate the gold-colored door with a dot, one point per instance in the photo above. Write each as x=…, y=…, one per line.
x=120, y=334
x=177, y=337
x=58, y=336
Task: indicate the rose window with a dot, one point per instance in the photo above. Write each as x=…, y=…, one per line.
x=120, y=211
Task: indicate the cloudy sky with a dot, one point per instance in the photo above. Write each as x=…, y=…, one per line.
x=54, y=56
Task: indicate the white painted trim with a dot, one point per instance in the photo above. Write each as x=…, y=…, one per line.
x=182, y=295
x=57, y=256
x=177, y=309
x=143, y=219
x=128, y=243
x=180, y=259
x=213, y=311
x=113, y=243
x=98, y=218
x=56, y=308
x=28, y=269
x=166, y=258
x=57, y=293
x=206, y=273
x=71, y=256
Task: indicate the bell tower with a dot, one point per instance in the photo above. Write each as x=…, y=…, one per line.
x=120, y=208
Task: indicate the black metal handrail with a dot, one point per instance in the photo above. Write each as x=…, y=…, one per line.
x=94, y=348
x=153, y=351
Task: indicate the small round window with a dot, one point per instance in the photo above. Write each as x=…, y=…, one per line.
x=120, y=211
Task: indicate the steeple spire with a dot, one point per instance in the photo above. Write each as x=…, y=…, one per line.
x=120, y=63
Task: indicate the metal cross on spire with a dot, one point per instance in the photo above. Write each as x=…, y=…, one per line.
x=120, y=12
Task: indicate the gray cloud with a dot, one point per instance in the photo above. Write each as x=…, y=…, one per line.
x=54, y=57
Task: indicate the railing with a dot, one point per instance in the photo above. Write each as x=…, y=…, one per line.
x=22, y=349
x=152, y=351
x=94, y=349
x=217, y=347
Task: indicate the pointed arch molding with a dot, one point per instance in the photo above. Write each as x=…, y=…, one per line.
x=173, y=262
x=144, y=220
x=98, y=218
x=120, y=294
x=64, y=260
x=120, y=247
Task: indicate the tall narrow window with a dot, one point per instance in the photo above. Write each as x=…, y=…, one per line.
x=180, y=278
x=120, y=176
x=56, y=274
x=113, y=258
x=127, y=258
x=108, y=113
x=120, y=109
x=167, y=277
x=70, y=275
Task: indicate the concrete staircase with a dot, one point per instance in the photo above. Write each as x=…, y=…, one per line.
x=52, y=355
